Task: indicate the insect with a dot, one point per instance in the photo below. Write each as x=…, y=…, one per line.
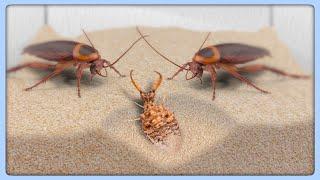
x=68, y=54
x=225, y=56
x=157, y=121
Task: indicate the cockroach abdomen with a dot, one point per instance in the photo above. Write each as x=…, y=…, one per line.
x=52, y=50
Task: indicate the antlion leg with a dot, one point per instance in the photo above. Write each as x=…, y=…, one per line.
x=135, y=119
x=139, y=105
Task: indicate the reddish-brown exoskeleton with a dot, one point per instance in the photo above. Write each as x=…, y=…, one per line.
x=225, y=56
x=67, y=54
x=157, y=121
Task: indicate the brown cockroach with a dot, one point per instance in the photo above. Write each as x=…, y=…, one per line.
x=225, y=56
x=67, y=54
x=157, y=121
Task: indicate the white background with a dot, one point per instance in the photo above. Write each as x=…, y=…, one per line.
x=294, y=24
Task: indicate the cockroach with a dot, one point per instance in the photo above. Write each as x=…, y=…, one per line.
x=225, y=56
x=67, y=54
x=157, y=121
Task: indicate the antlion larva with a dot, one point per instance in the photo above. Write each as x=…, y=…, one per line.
x=158, y=122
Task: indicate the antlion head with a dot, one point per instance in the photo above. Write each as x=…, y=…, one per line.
x=150, y=95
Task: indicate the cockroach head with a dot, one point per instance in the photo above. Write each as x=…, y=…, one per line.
x=96, y=67
x=147, y=96
x=196, y=70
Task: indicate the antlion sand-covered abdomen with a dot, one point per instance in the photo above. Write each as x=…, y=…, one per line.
x=158, y=123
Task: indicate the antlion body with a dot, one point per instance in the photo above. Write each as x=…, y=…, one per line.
x=157, y=121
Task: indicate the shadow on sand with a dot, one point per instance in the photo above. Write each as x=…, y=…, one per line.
x=259, y=149
x=68, y=77
x=277, y=150
x=224, y=80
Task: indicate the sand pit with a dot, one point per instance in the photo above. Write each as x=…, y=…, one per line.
x=52, y=131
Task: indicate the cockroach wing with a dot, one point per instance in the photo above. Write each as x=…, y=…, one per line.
x=52, y=50
x=235, y=53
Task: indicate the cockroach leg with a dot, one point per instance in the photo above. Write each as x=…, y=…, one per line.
x=111, y=66
x=213, y=74
x=79, y=72
x=79, y=75
x=260, y=67
x=35, y=65
x=58, y=69
x=181, y=69
x=233, y=71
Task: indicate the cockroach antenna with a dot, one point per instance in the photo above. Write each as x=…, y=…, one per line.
x=158, y=51
x=131, y=46
x=88, y=38
x=204, y=41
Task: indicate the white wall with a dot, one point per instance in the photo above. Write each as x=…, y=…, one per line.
x=192, y=17
x=293, y=23
x=23, y=22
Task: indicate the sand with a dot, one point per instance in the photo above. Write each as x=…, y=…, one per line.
x=52, y=131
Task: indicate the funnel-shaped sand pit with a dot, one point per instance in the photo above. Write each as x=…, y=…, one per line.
x=52, y=131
